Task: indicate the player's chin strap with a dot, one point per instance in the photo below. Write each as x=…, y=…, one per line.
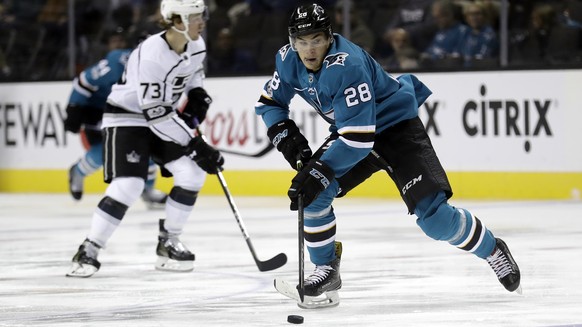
x=186, y=29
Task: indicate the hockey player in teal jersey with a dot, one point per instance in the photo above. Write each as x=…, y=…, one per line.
x=85, y=111
x=374, y=126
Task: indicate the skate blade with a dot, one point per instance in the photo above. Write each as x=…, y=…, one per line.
x=81, y=271
x=326, y=300
x=167, y=264
x=518, y=290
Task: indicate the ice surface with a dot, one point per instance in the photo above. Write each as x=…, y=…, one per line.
x=393, y=275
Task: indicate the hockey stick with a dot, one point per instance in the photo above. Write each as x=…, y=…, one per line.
x=301, y=240
x=300, y=232
x=271, y=264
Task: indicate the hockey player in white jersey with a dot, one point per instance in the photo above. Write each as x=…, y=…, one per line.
x=374, y=126
x=142, y=119
x=85, y=111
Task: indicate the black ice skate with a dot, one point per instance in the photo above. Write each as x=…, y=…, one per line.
x=153, y=198
x=505, y=267
x=320, y=288
x=75, y=183
x=85, y=262
x=172, y=253
x=325, y=280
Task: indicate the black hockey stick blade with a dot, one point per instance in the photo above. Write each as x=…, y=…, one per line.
x=275, y=262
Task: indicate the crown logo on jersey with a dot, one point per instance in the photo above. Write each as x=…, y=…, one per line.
x=132, y=157
x=336, y=59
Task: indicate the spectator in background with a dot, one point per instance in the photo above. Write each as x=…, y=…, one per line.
x=414, y=16
x=405, y=56
x=571, y=16
x=531, y=46
x=447, y=41
x=54, y=19
x=480, y=42
x=226, y=58
x=360, y=33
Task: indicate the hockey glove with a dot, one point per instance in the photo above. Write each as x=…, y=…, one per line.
x=74, y=118
x=290, y=142
x=310, y=181
x=206, y=156
x=196, y=107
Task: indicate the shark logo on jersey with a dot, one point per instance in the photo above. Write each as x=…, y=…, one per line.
x=336, y=59
x=124, y=58
x=284, y=51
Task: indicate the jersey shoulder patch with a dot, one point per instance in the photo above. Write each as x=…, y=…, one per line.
x=336, y=59
x=284, y=51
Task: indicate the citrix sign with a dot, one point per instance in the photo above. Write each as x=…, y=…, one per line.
x=488, y=117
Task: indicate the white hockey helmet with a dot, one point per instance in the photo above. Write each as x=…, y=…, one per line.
x=183, y=8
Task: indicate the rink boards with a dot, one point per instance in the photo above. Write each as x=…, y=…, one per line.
x=500, y=135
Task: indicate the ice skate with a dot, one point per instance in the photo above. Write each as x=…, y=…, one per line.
x=154, y=199
x=75, y=183
x=321, y=286
x=172, y=253
x=505, y=267
x=85, y=262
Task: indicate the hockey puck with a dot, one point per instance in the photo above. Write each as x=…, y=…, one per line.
x=295, y=319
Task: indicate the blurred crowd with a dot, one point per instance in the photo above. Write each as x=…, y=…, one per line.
x=243, y=35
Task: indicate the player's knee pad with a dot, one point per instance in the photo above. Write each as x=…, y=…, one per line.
x=187, y=174
x=125, y=189
x=183, y=196
x=437, y=219
x=113, y=208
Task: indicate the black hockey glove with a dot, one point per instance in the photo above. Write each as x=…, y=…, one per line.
x=290, y=142
x=196, y=107
x=74, y=118
x=206, y=156
x=310, y=181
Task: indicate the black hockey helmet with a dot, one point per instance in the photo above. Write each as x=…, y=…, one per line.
x=309, y=19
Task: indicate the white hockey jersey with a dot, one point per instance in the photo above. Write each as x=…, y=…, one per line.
x=153, y=81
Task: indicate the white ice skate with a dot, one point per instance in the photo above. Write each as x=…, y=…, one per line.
x=85, y=262
x=172, y=253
